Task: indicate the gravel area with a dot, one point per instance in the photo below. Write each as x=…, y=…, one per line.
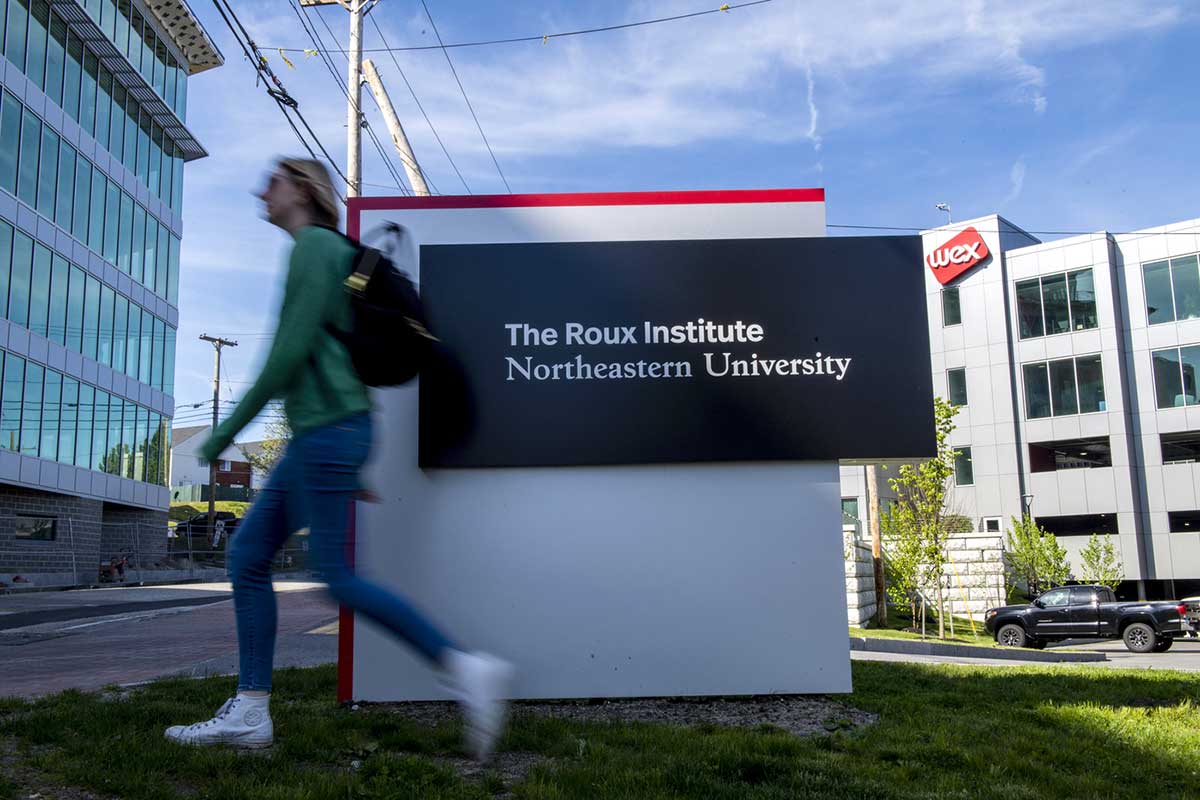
x=796, y=714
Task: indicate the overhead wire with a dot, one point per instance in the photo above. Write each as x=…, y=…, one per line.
x=318, y=42
x=462, y=89
x=544, y=38
x=420, y=107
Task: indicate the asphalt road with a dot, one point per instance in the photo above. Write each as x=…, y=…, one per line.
x=1184, y=655
x=90, y=639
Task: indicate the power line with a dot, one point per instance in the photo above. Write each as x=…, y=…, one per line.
x=471, y=108
x=416, y=100
x=548, y=36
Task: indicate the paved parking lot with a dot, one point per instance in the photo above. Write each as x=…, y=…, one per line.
x=50, y=641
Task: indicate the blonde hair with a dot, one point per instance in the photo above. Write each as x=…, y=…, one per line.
x=313, y=178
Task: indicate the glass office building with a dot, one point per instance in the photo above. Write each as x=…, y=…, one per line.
x=93, y=140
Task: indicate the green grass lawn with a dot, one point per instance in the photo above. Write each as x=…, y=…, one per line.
x=182, y=511
x=900, y=624
x=943, y=732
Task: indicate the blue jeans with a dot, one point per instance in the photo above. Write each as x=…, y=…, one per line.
x=313, y=484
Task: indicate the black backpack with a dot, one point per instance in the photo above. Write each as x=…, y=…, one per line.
x=388, y=341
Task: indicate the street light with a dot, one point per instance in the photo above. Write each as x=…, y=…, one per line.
x=1026, y=502
x=945, y=207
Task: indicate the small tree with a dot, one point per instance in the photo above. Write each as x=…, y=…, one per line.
x=918, y=524
x=1035, y=556
x=1100, y=564
x=279, y=433
x=905, y=552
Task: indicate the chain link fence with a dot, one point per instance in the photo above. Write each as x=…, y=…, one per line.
x=64, y=551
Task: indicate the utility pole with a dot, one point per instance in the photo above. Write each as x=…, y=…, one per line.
x=354, y=118
x=876, y=544
x=415, y=178
x=217, y=343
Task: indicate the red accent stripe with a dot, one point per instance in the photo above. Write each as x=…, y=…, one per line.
x=345, y=664
x=356, y=204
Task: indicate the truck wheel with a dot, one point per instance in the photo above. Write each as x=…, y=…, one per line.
x=1163, y=644
x=1139, y=638
x=1011, y=635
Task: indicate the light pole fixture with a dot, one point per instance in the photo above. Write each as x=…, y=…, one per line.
x=1026, y=503
x=945, y=207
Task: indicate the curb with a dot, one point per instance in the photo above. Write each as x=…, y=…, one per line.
x=915, y=648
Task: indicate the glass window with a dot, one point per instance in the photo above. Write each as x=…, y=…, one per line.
x=66, y=185
x=143, y=151
x=112, y=456
x=56, y=56
x=160, y=68
x=72, y=73
x=27, y=164
x=146, y=357
x=48, y=173
x=1168, y=381
x=1054, y=304
x=10, y=141
x=120, y=328
x=10, y=406
x=112, y=220
x=91, y=317
x=1180, y=448
x=951, y=311
x=96, y=224
x=125, y=234
x=135, y=39
x=138, y=261
x=177, y=183
x=108, y=18
x=6, y=242
x=35, y=56
x=1185, y=279
x=51, y=412
x=14, y=40
x=173, y=270
x=150, y=265
x=31, y=411
x=100, y=433
x=1189, y=358
x=129, y=157
x=128, y=439
x=104, y=85
x=104, y=343
x=121, y=39
x=39, y=290
x=159, y=286
x=36, y=528
x=169, y=363
x=140, y=433
x=58, y=300
x=957, y=382
x=172, y=69
x=68, y=419
x=18, y=293
x=116, y=124
x=85, y=426
x=181, y=94
x=1091, y=384
x=1159, y=306
x=1058, y=597
x=133, y=341
x=75, y=310
x=87, y=92
x=147, y=51
x=964, y=473
x=160, y=344
x=83, y=191
x=165, y=190
x=1062, y=387
x=155, y=172
x=1037, y=391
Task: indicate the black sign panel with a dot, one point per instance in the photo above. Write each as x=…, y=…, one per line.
x=677, y=351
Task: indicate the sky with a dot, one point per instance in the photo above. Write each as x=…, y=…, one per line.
x=1060, y=115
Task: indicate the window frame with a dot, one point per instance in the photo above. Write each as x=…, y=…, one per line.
x=1074, y=359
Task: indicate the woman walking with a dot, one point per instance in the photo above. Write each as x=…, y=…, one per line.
x=316, y=480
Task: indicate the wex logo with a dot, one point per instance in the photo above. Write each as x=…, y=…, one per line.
x=957, y=256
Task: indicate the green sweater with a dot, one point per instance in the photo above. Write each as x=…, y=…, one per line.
x=310, y=369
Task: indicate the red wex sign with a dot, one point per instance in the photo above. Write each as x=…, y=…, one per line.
x=957, y=256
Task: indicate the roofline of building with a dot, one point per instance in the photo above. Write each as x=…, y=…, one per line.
x=184, y=28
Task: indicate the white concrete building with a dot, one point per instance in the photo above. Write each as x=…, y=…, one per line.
x=1076, y=366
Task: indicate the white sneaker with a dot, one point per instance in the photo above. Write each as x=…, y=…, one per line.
x=481, y=683
x=243, y=721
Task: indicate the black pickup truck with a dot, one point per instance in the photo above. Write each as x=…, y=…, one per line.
x=1088, y=612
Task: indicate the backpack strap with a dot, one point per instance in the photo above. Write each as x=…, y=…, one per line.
x=363, y=269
